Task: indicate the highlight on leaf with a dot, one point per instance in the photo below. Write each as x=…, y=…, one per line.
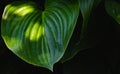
x=36, y=36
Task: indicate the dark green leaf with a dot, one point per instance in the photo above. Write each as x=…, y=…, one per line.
x=86, y=8
x=113, y=9
x=96, y=3
x=39, y=37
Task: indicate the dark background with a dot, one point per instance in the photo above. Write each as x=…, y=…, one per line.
x=104, y=58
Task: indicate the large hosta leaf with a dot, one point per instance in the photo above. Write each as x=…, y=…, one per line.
x=39, y=37
x=113, y=9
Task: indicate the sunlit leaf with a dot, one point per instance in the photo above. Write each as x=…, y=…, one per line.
x=39, y=37
x=113, y=9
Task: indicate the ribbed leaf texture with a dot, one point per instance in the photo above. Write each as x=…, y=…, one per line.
x=39, y=37
x=113, y=9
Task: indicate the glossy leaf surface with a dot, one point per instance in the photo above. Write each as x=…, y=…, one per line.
x=39, y=37
x=113, y=9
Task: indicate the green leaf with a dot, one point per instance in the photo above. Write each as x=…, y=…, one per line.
x=86, y=8
x=39, y=37
x=96, y=3
x=113, y=9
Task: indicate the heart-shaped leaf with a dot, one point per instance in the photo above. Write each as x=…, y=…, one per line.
x=39, y=37
x=113, y=9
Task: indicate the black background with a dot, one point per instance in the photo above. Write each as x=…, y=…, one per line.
x=101, y=59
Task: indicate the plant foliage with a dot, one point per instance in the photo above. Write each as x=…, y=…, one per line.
x=39, y=37
x=40, y=34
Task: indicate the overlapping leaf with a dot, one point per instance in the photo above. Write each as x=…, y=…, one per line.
x=85, y=7
x=39, y=37
x=113, y=9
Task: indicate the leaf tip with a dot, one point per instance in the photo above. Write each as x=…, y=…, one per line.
x=50, y=67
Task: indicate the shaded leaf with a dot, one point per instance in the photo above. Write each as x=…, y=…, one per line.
x=86, y=7
x=83, y=42
x=39, y=37
x=113, y=9
x=96, y=3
